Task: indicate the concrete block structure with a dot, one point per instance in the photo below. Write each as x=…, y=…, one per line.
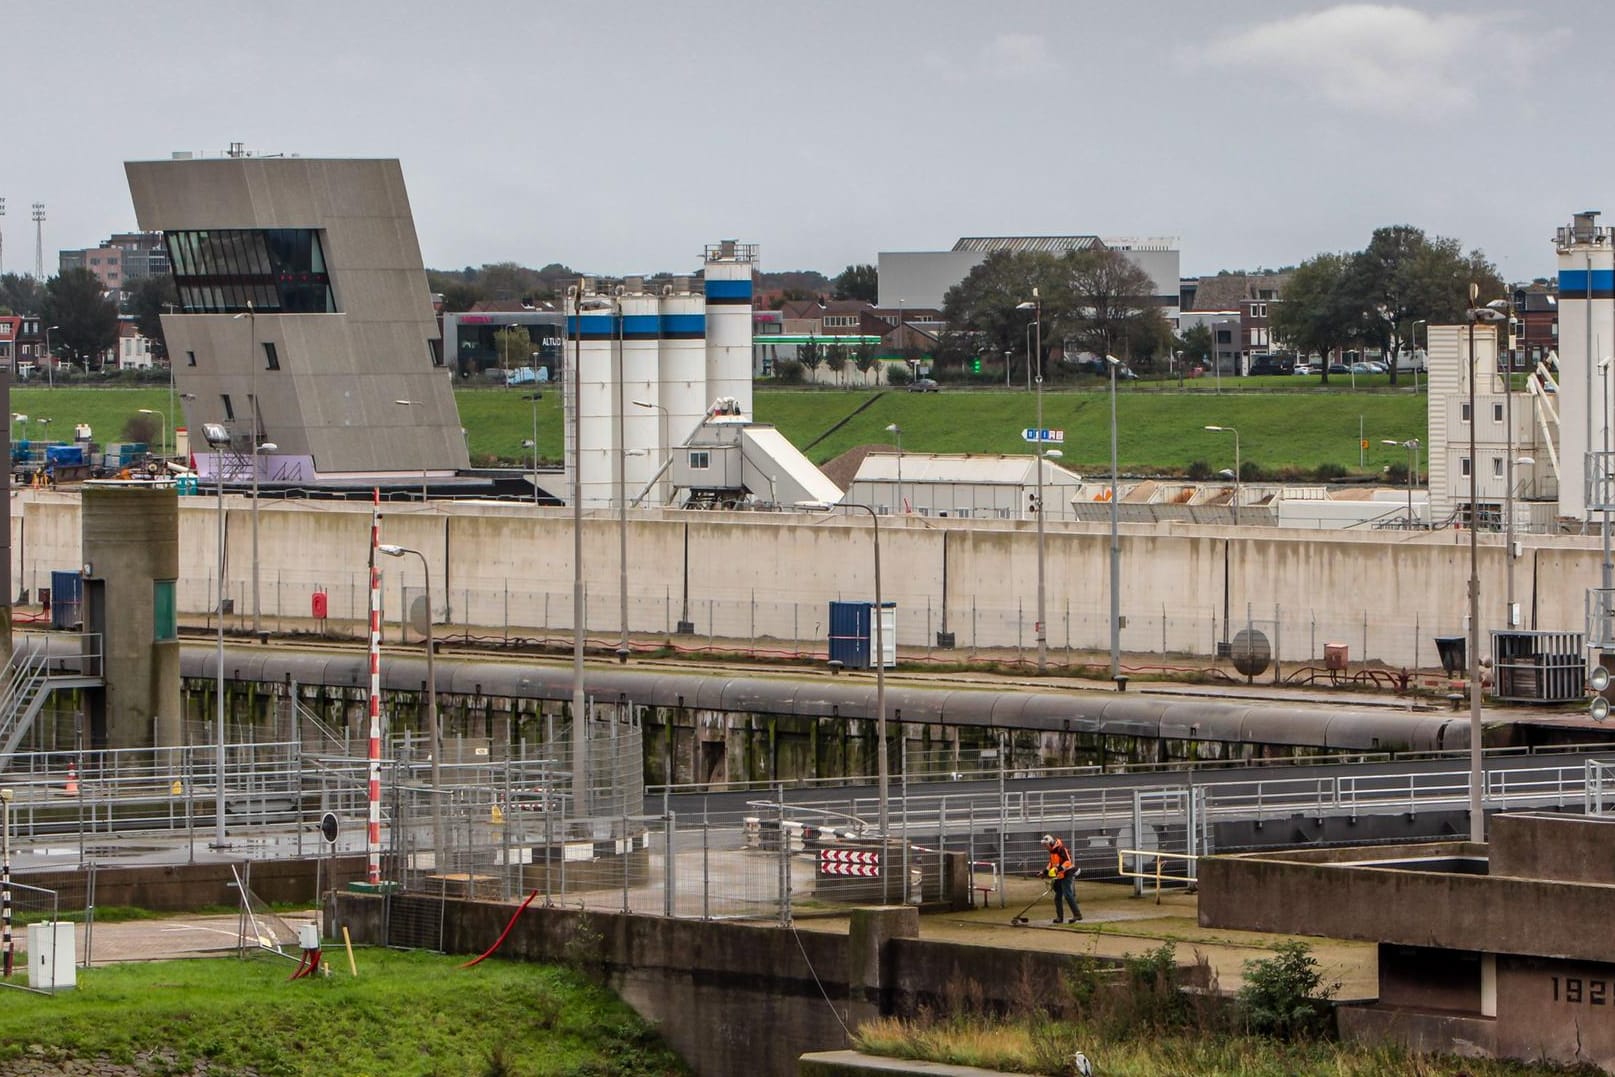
x=1483, y=949
x=304, y=318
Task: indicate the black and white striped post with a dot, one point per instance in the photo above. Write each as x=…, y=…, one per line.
x=5, y=881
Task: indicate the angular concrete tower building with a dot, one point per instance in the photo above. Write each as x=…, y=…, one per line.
x=304, y=318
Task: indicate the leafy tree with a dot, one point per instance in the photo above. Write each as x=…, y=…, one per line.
x=20, y=294
x=147, y=300
x=857, y=282
x=1321, y=311
x=1195, y=343
x=985, y=302
x=87, y=320
x=810, y=355
x=1105, y=303
x=513, y=346
x=863, y=357
x=835, y=357
x=1404, y=276
x=510, y=281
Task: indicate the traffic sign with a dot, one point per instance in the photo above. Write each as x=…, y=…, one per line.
x=1045, y=435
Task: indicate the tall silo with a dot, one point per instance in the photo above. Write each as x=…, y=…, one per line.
x=683, y=360
x=641, y=362
x=591, y=342
x=1586, y=335
x=729, y=267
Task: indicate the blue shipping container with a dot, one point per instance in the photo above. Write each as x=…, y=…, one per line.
x=64, y=455
x=852, y=632
x=66, y=599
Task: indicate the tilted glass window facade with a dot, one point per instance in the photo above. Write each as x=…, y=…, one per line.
x=279, y=270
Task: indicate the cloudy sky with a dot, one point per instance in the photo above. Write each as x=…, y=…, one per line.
x=620, y=138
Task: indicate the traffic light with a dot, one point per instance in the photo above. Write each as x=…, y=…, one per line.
x=975, y=365
x=1031, y=504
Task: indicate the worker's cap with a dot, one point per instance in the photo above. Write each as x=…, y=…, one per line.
x=1048, y=839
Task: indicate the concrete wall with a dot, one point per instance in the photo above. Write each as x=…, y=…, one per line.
x=131, y=540
x=734, y=998
x=1572, y=848
x=763, y=576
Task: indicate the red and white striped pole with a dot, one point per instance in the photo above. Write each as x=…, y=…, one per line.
x=5, y=882
x=373, y=840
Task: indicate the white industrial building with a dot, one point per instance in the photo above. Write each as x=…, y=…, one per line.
x=971, y=487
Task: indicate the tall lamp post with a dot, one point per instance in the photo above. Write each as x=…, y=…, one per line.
x=50, y=359
x=1231, y=430
x=533, y=398
x=1035, y=304
x=432, y=734
x=1492, y=313
x=162, y=445
x=259, y=449
x=217, y=438
x=1412, y=446
x=1115, y=539
x=665, y=451
x=416, y=404
x=897, y=432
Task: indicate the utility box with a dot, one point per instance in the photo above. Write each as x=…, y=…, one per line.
x=67, y=600
x=1539, y=667
x=1454, y=652
x=852, y=633
x=321, y=606
x=51, y=956
x=1336, y=657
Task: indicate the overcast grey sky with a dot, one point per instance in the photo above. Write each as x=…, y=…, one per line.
x=620, y=138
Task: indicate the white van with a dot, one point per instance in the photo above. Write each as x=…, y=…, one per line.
x=1412, y=360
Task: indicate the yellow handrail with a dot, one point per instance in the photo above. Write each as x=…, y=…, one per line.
x=1161, y=856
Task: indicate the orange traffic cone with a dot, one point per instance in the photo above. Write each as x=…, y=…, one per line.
x=72, y=780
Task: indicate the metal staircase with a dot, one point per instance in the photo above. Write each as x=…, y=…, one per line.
x=41, y=663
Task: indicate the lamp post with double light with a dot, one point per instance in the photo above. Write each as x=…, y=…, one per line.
x=1412, y=446
x=217, y=438
x=1231, y=430
x=1035, y=304
x=664, y=450
x=432, y=734
x=1492, y=314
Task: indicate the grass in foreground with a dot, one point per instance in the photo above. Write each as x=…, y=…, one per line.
x=406, y=1013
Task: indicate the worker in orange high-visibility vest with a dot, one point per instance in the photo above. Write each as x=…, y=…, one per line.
x=1062, y=878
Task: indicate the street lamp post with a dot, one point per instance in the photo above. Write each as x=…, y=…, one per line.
x=664, y=450
x=217, y=438
x=1036, y=305
x=259, y=449
x=534, y=398
x=1231, y=430
x=529, y=443
x=1492, y=313
x=162, y=445
x=1412, y=446
x=897, y=432
x=50, y=362
x=1115, y=539
x=432, y=734
x=416, y=404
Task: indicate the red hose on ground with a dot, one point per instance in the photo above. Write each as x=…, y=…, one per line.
x=501, y=939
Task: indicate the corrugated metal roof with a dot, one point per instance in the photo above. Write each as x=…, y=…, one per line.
x=1050, y=244
x=968, y=469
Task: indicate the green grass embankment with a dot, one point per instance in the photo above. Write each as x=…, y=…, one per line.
x=406, y=1013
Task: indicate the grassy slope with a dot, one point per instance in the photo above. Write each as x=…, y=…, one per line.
x=405, y=1014
x=1159, y=429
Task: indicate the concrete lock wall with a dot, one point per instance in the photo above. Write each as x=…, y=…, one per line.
x=756, y=577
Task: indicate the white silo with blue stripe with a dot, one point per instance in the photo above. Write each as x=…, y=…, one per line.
x=591, y=336
x=729, y=267
x=683, y=359
x=641, y=375
x=1586, y=335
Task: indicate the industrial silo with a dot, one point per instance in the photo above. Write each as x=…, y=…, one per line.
x=683, y=360
x=591, y=347
x=641, y=363
x=729, y=266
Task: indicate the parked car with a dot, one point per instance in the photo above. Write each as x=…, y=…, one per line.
x=1338, y=368
x=924, y=385
x=1367, y=368
x=1304, y=368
